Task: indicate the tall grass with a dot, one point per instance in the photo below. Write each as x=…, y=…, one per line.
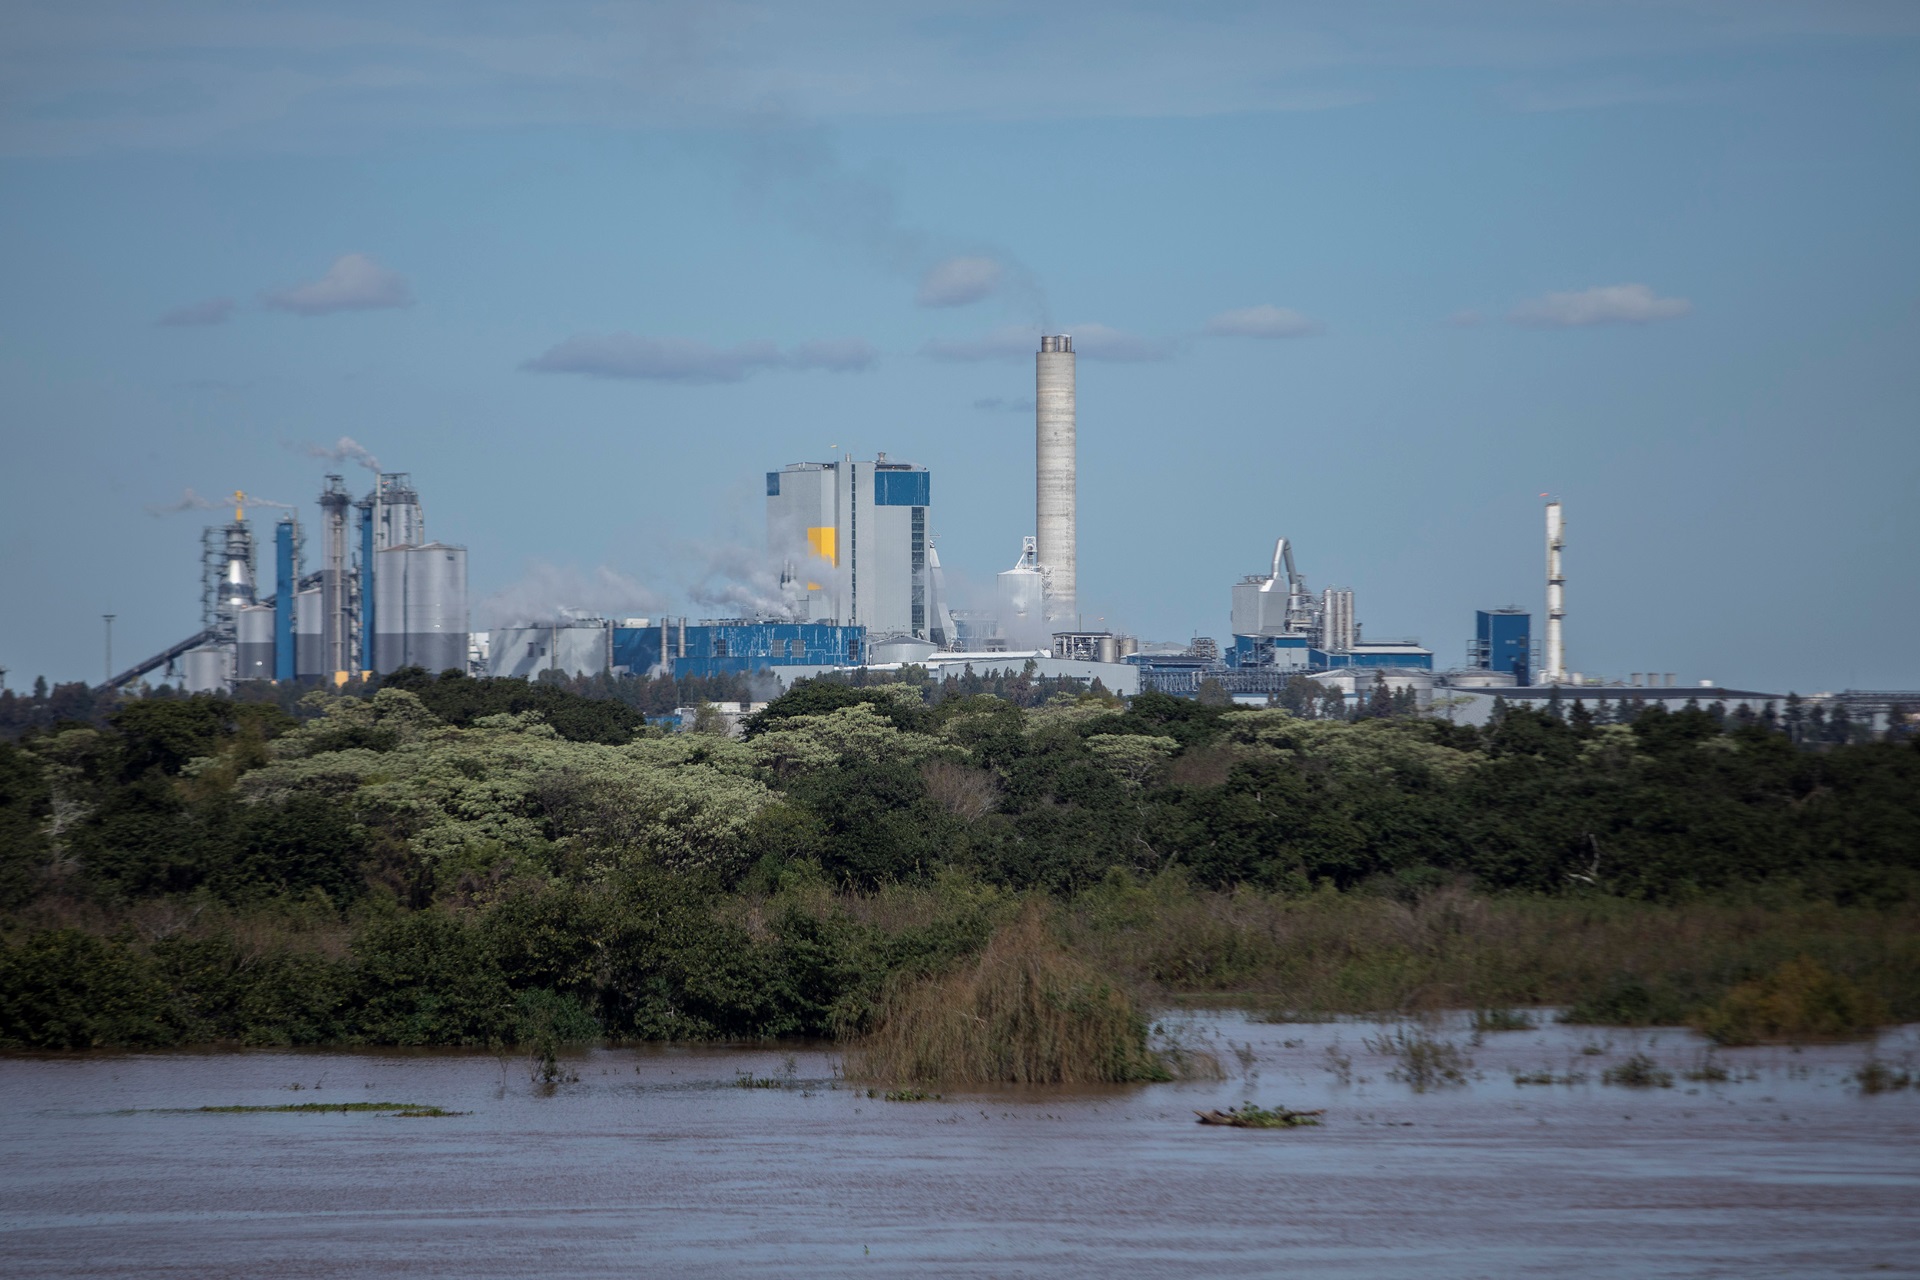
x=1023, y=1011
x=1615, y=960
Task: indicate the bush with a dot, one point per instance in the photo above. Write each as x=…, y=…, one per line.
x=1801, y=1000
x=64, y=989
x=1024, y=1013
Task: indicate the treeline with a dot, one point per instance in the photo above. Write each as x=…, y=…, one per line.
x=448, y=860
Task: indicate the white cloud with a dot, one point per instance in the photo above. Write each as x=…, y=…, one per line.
x=345, y=449
x=548, y=593
x=1263, y=321
x=211, y=311
x=1603, y=304
x=959, y=281
x=355, y=282
x=626, y=355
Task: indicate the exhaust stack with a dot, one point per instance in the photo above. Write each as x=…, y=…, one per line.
x=1055, y=479
x=1556, y=672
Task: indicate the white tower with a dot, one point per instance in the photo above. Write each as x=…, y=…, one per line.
x=1556, y=664
x=1054, y=476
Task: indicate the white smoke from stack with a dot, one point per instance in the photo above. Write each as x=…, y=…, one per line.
x=345, y=449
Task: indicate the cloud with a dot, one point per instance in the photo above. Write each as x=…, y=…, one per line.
x=188, y=501
x=1000, y=404
x=626, y=355
x=835, y=355
x=1604, y=304
x=211, y=311
x=959, y=281
x=345, y=449
x=355, y=282
x=1263, y=321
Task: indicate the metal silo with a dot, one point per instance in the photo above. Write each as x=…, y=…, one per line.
x=254, y=636
x=421, y=610
x=208, y=669
x=309, y=633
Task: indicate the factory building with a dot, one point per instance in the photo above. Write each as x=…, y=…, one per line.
x=670, y=646
x=381, y=601
x=855, y=544
x=1279, y=624
x=1502, y=641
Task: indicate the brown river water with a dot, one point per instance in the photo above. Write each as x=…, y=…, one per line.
x=655, y=1162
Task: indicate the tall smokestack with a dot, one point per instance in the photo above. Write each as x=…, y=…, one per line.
x=1054, y=474
x=1556, y=672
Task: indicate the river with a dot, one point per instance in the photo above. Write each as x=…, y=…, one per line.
x=657, y=1161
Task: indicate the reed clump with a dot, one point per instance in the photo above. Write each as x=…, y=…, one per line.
x=1800, y=1000
x=1023, y=1011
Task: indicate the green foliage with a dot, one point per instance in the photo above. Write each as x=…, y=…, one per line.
x=1800, y=1000
x=63, y=989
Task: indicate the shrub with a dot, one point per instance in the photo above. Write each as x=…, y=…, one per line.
x=1025, y=1012
x=1638, y=1072
x=1801, y=1000
x=64, y=989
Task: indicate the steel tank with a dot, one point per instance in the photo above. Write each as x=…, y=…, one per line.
x=253, y=628
x=208, y=669
x=309, y=634
x=420, y=608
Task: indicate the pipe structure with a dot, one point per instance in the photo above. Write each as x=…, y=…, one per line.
x=1055, y=477
x=286, y=581
x=1556, y=672
x=336, y=603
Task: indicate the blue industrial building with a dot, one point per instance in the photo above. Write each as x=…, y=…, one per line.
x=1502, y=641
x=736, y=647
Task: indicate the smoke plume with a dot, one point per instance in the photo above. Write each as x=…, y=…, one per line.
x=346, y=449
x=548, y=593
x=188, y=501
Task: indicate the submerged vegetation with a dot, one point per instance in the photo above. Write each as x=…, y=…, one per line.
x=455, y=861
x=403, y=1110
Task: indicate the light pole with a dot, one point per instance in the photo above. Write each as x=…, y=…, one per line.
x=109, y=620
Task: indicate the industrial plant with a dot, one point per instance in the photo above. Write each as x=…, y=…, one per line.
x=851, y=544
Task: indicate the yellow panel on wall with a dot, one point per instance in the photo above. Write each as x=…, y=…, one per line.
x=824, y=540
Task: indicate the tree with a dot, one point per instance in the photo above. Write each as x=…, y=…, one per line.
x=1796, y=717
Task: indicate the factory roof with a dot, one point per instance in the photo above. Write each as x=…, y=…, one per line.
x=1567, y=692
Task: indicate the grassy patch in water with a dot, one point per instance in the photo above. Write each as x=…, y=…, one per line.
x=404, y=1110
x=1638, y=1072
x=1252, y=1116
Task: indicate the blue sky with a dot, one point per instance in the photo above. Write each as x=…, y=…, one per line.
x=1372, y=276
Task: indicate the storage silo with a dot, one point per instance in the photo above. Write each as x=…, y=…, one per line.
x=253, y=629
x=208, y=669
x=421, y=610
x=309, y=633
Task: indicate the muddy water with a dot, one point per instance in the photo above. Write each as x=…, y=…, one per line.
x=654, y=1162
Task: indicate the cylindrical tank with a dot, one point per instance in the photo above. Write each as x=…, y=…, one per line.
x=208, y=669
x=254, y=630
x=1108, y=651
x=1480, y=678
x=421, y=608
x=1054, y=475
x=901, y=648
x=309, y=634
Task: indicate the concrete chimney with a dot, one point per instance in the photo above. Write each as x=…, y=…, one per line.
x=1556, y=672
x=1054, y=474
